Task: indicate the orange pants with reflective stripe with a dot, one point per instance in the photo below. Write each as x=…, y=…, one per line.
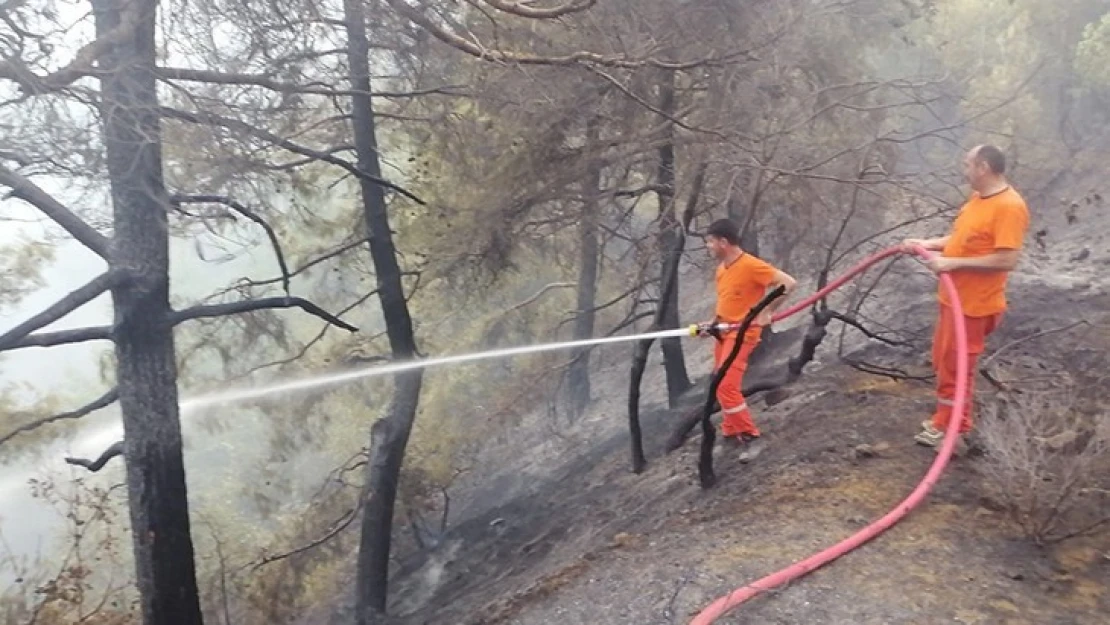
x=944, y=363
x=737, y=417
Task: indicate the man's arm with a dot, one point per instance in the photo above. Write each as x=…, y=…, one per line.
x=1001, y=260
x=782, y=279
x=933, y=245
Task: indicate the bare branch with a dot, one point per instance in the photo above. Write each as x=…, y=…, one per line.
x=22, y=188
x=103, y=401
x=316, y=339
x=419, y=17
x=82, y=64
x=338, y=526
x=538, y=294
x=310, y=264
x=211, y=119
x=95, y=465
x=525, y=9
x=234, y=308
x=986, y=361
x=61, y=308
x=249, y=214
x=855, y=323
x=64, y=337
x=266, y=82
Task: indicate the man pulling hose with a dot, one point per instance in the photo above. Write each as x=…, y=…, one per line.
x=983, y=247
x=742, y=281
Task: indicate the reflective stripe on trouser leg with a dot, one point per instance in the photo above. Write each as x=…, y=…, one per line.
x=737, y=417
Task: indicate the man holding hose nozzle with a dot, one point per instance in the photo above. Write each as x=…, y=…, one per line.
x=742, y=281
x=983, y=247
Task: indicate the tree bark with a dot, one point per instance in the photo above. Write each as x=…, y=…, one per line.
x=578, y=379
x=146, y=370
x=746, y=217
x=640, y=355
x=390, y=435
x=670, y=254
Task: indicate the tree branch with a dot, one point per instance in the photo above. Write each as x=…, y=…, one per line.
x=266, y=82
x=64, y=337
x=211, y=119
x=95, y=465
x=852, y=321
x=419, y=17
x=103, y=401
x=83, y=63
x=22, y=188
x=338, y=526
x=989, y=359
x=538, y=294
x=61, y=308
x=339, y=251
x=179, y=199
x=525, y=9
x=234, y=308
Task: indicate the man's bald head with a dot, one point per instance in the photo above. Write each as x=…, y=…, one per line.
x=992, y=156
x=984, y=167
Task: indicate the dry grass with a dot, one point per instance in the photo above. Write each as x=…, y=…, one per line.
x=1048, y=464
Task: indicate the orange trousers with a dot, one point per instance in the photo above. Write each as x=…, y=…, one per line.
x=737, y=417
x=944, y=363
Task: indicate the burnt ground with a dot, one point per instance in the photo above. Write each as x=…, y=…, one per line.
x=597, y=544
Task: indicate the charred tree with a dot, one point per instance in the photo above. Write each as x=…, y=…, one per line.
x=389, y=436
x=671, y=244
x=640, y=355
x=143, y=330
x=578, y=378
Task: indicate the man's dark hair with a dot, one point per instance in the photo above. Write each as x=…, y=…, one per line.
x=725, y=229
x=993, y=157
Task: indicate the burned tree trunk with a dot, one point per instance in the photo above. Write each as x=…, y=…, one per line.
x=143, y=331
x=390, y=435
x=578, y=379
x=640, y=356
x=671, y=243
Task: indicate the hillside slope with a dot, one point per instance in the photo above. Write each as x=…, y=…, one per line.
x=597, y=544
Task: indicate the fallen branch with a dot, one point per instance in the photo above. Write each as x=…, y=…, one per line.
x=103, y=401
x=179, y=199
x=61, y=308
x=234, y=308
x=95, y=465
x=23, y=189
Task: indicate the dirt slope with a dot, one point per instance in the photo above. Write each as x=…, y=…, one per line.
x=556, y=530
x=596, y=544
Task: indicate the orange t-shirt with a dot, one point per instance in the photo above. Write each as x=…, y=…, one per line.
x=741, y=285
x=985, y=226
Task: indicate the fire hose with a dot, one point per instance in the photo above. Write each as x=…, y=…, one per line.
x=738, y=596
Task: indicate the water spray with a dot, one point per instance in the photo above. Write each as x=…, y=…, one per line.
x=318, y=381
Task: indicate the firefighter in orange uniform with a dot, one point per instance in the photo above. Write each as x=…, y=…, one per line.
x=983, y=247
x=742, y=281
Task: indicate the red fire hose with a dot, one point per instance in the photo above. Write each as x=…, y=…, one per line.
x=817, y=560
